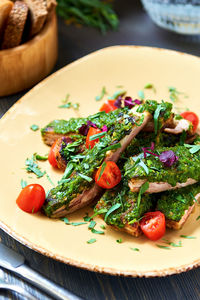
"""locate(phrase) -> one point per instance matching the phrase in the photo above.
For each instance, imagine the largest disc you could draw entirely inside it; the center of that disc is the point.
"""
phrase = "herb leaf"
(91, 241)
(193, 148)
(103, 166)
(163, 247)
(112, 209)
(103, 93)
(143, 189)
(97, 231)
(187, 236)
(89, 179)
(96, 136)
(135, 249)
(33, 167)
(34, 127)
(141, 94)
(156, 116)
(23, 183)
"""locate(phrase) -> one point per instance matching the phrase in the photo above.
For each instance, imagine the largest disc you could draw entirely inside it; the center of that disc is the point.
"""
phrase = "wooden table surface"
(135, 29)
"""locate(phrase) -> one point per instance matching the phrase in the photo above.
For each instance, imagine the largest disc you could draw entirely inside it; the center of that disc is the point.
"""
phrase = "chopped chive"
(66, 221)
(103, 166)
(193, 148)
(78, 223)
(117, 94)
(141, 94)
(89, 179)
(150, 86)
(48, 177)
(91, 241)
(197, 218)
(97, 231)
(112, 209)
(86, 218)
(163, 247)
(156, 116)
(187, 236)
(103, 227)
(96, 136)
(99, 212)
(119, 241)
(23, 183)
(92, 224)
(135, 249)
(143, 189)
(103, 93)
(112, 147)
(34, 127)
(76, 106)
(66, 105)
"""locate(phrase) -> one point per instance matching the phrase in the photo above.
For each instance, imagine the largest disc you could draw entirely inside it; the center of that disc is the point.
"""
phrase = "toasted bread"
(5, 8)
(15, 25)
(38, 14)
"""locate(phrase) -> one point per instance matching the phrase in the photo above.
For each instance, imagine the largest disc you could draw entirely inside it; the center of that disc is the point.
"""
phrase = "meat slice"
(69, 197)
(157, 187)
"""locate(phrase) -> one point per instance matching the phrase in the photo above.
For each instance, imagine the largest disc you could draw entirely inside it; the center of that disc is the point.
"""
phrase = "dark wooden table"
(135, 29)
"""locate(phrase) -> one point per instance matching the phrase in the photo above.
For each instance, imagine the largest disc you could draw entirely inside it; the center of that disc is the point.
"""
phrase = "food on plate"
(31, 198)
(80, 188)
(21, 20)
(138, 160)
(5, 8)
(15, 25)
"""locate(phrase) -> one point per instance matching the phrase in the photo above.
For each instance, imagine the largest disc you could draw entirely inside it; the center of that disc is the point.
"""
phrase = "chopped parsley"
(197, 218)
(97, 231)
(33, 167)
(92, 224)
(40, 157)
(117, 94)
(87, 178)
(96, 136)
(68, 104)
(102, 94)
(103, 227)
(34, 127)
(193, 148)
(163, 247)
(48, 177)
(112, 209)
(67, 222)
(150, 86)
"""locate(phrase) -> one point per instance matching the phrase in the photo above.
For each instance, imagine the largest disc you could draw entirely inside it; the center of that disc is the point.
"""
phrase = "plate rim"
(87, 266)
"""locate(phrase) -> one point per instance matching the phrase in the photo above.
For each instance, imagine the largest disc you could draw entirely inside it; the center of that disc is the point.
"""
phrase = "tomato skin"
(31, 198)
(92, 131)
(153, 225)
(192, 117)
(111, 175)
(51, 156)
(108, 106)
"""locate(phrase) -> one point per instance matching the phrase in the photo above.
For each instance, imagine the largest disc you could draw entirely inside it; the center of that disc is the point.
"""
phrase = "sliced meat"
(157, 187)
(180, 126)
(178, 225)
(79, 191)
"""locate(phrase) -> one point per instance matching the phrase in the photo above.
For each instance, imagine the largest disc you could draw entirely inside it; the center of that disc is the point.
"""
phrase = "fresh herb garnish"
(150, 86)
(174, 94)
(33, 167)
(77, 223)
(156, 116)
(141, 94)
(34, 127)
(96, 136)
(40, 157)
(89, 179)
(135, 249)
(197, 218)
(99, 212)
(193, 148)
(143, 189)
(97, 231)
(103, 166)
(187, 236)
(163, 247)
(66, 221)
(87, 218)
(92, 224)
(119, 241)
(23, 183)
(68, 171)
(112, 209)
(103, 227)
(103, 93)
(48, 177)
(179, 244)
(111, 147)
(91, 241)
(67, 104)
(117, 94)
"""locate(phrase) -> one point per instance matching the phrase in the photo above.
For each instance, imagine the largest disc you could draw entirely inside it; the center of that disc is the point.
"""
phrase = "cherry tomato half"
(52, 156)
(192, 117)
(92, 131)
(108, 106)
(110, 177)
(31, 198)
(153, 225)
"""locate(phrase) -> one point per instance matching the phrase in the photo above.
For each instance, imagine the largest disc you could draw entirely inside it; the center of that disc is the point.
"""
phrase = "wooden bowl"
(23, 66)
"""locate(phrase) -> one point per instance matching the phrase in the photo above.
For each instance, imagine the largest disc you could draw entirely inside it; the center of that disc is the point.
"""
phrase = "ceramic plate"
(129, 66)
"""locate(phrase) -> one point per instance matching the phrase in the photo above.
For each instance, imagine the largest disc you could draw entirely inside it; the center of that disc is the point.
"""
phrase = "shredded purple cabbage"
(138, 102)
(90, 123)
(168, 158)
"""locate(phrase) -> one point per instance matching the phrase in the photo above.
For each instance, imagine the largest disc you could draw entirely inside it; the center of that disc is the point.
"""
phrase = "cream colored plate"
(132, 67)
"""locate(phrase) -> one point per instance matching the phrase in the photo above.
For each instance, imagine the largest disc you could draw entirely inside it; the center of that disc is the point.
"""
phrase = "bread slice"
(15, 25)
(5, 8)
(38, 14)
